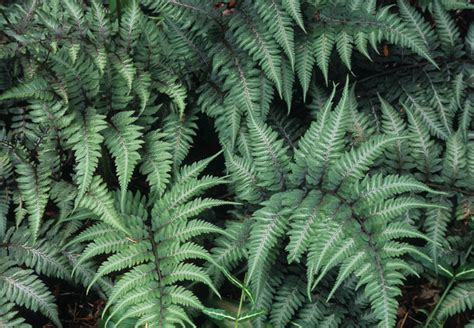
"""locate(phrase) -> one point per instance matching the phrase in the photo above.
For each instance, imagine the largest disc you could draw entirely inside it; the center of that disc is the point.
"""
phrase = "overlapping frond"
(151, 243)
(337, 187)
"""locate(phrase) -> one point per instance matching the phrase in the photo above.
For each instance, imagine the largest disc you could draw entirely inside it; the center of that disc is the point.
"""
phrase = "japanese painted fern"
(339, 174)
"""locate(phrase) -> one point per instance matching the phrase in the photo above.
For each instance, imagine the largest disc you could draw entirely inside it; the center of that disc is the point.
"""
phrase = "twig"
(402, 324)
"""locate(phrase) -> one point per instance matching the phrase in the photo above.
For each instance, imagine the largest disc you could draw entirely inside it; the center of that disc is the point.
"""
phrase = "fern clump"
(340, 211)
(338, 173)
(154, 246)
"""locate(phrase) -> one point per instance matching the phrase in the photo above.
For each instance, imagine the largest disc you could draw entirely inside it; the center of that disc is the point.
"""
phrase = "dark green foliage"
(343, 165)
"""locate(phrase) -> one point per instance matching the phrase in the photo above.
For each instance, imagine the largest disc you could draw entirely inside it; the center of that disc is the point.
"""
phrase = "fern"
(323, 214)
(338, 161)
(123, 140)
(87, 149)
(458, 300)
(24, 263)
(33, 183)
(279, 24)
(24, 288)
(153, 255)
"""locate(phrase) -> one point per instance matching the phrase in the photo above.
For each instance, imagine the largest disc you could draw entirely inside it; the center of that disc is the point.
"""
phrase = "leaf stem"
(242, 296)
(448, 288)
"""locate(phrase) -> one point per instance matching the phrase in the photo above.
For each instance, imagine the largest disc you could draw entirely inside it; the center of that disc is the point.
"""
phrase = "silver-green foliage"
(339, 188)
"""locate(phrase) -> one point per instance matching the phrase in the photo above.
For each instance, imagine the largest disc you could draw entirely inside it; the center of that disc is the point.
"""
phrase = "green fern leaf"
(40, 256)
(344, 44)
(101, 203)
(304, 64)
(86, 143)
(416, 22)
(330, 142)
(459, 299)
(266, 148)
(127, 71)
(36, 89)
(287, 300)
(448, 32)
(178, 134)
(123, 138)
(26, 289)
(293, 7)
(395, 207)
(34, 189)
(469, 41)
(130, 25)
(279, 24)
(288, 77)
(260, 45)
(302, 225)
(455, 161)
(270, 224)
(323, 46)
(353, 165)
(156, 163)
(8, 316)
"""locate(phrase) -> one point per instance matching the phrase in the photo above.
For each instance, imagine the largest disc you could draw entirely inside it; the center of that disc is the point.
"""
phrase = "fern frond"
(392, 208)
(100, 24)
(344, 44)
(127, 70)
(459, 299)
(266, 148)
(8, 316)
(192, 171)
(260, 45)
(302, 225)
(436, 224)
(305, 144)
(123, 139)
(396, 32)
(101, 203)
(447, 30)
(134, 255)
(392, 124)
(34, 183)
(189, 272)
(293, 7)
(178, 134)
(26, 289)
(323, 46)
(416, 22)
(156, 162)
(469, 41)
(36, 89)
(142, 87)
(75, 11)
(156, 254)
(180, 194)
(270, 225)
(4, 207)
(353, 165)
(287, 300)
(187, 210)
(330, 142)
(423, 148)
(304, 64)
(130, 26)
(454, 162)
(86, 143)
(279, 24)
(40, 256)
(379, 187)
(102, 245)
(288, 77)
